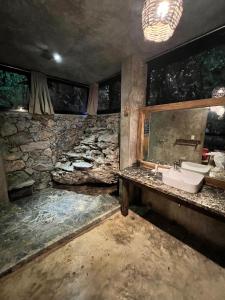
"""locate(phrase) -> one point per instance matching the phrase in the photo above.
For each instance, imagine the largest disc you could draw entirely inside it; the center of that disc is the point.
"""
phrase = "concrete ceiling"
(93, 36)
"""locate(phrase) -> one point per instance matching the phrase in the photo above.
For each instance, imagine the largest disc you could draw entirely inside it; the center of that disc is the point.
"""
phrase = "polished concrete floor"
(122, 258)
(32, 224)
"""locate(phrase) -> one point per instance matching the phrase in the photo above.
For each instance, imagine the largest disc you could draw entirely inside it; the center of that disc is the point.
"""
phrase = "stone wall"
(39, 149)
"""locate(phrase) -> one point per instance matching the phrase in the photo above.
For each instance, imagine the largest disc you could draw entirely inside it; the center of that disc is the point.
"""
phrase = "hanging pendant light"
(218, 92)
(160, 18)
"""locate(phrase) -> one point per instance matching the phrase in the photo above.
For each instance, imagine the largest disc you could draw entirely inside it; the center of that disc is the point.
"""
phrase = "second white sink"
(184, 180)
(198, 168)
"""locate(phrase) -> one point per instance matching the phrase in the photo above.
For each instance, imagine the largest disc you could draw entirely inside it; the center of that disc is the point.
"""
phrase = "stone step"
(21, 185)
(82, 165)
(19, 180)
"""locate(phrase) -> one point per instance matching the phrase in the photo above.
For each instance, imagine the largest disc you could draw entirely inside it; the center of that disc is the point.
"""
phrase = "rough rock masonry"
(66, 149)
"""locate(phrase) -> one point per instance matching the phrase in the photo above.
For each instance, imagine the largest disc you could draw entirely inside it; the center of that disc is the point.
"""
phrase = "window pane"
(110, 96)
(68, 99)
(103, 103)
(14, 90)
(189, 73)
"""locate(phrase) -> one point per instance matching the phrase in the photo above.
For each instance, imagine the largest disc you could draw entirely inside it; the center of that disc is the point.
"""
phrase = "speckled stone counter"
(209, 199)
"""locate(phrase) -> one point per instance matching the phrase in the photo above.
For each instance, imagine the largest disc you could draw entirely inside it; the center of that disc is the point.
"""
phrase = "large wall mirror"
(189, 133)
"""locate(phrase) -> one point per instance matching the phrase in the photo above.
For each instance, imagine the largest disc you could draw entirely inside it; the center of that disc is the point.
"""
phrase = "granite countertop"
(209, 198)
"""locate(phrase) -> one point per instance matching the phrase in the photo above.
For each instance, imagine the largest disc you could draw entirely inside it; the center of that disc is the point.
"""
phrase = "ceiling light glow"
(163, 9)
(57, 57)
(218, 92)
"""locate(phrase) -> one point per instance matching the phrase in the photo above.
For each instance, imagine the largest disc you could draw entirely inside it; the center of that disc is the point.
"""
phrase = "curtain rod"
(48, 76)
(185, 43)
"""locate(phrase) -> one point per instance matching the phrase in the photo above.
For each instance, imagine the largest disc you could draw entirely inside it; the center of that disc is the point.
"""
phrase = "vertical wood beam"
(3, 183)
(125, 198)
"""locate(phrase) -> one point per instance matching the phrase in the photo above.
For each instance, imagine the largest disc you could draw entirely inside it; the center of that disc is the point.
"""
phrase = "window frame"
(108, 82)
(19, 72)
(71, 83)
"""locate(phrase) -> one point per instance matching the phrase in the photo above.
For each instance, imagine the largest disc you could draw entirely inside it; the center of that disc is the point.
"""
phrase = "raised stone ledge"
(82, 165)
(19, 180)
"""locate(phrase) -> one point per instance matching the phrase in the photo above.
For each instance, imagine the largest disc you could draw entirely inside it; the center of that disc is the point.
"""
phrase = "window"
(68, 98)
(188, 73)
(110, 96)
(14, 89)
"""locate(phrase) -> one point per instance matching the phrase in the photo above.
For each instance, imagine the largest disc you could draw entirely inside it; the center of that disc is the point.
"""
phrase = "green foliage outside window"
(14, 90)
(109, 100)
(190, 78)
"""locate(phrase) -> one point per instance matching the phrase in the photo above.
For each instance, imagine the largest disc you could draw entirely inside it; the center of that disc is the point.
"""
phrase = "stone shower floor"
(30, 225)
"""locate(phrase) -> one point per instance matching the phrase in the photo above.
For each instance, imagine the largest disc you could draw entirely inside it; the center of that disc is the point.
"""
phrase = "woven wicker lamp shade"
(160, 18)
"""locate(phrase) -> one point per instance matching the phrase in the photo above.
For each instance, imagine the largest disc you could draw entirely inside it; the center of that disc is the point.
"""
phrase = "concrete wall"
(200, 225)
(167, 126)
(133, 95)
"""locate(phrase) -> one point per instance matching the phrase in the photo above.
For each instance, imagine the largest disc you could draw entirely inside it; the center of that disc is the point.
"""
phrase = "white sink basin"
(198, 168)
(184, 180)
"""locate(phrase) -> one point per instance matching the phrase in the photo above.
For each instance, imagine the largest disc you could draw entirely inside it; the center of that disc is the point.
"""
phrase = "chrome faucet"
(176, 165)
(156, 170)
(180, 161)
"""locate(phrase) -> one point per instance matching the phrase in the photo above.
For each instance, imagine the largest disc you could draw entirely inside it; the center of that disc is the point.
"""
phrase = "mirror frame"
(144, 112)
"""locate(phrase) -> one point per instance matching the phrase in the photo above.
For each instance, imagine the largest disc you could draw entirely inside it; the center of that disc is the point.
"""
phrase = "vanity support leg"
(125, 198)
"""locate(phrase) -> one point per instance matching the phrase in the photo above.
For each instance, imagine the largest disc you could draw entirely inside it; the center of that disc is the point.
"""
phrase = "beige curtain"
(40, 101)
(93, 100)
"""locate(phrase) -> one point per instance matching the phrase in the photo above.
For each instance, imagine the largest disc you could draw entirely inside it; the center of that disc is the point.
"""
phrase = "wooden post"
(3, 183)
(125, 198)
